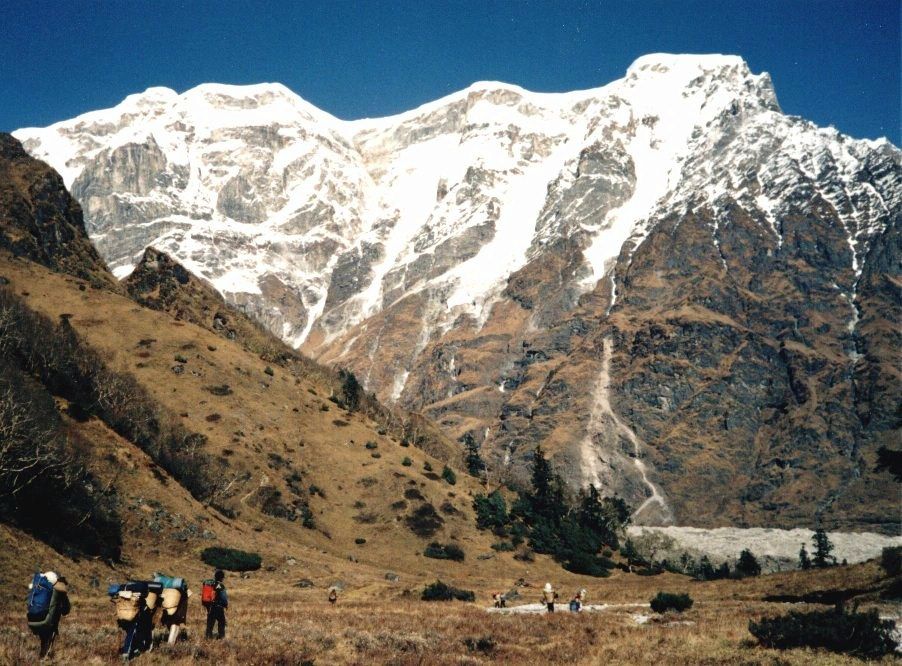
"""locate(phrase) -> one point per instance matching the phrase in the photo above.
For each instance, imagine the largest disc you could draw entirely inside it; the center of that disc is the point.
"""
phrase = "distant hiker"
(499, 600)
(575, 604)
(174, 600)
(548, 597)
(582, 596)
(333, 595)
(48, 601)
(216, 600)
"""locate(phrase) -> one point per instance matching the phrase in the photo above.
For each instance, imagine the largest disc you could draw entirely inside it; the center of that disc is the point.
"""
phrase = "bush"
(503, 547)
(449, 475)
(665, 601)
(231, 559)
(581, 562)
(371, 446)
(891, 560)
(439, 591)
(269, 371)
(862, 635)
(407, 462)
(424, 521)
(360, 541)
(448, 551)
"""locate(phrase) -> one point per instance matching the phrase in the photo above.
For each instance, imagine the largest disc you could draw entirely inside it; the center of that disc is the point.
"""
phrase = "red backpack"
(208, 592)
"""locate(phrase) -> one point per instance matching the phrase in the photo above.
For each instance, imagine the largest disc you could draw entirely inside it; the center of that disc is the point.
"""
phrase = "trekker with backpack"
(548, 597)
(215, 598)
(48, 601)
(174, 600)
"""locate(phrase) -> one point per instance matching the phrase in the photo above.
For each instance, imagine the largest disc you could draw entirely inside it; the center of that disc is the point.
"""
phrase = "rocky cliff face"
(686, 296)
(40, 221)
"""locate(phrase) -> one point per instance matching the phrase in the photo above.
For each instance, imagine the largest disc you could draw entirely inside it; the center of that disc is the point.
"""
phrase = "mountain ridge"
(490, 248)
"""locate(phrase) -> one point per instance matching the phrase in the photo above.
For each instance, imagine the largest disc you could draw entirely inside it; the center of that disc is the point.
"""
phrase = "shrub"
(180, 359)
(665, 601)
(221, 390)
(427, 467)
(424, 521)
(891, 560)
(503, 547)
(269, 371)
(407, 462)
(862, 635)
(581, 562)
(439, 591)
(448, 551)
(231, 559)
(371, 445)
(449, 475)
(485, 644)
(360, 541)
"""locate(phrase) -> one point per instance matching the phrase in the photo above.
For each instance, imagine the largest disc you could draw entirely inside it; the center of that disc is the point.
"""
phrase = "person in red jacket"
(216, 609)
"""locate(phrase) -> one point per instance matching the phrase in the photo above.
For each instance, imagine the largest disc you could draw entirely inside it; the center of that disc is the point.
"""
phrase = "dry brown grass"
(268, 629)
(380, 623)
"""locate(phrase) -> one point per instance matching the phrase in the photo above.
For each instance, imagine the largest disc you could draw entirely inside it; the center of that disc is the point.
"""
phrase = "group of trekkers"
(139, 606)
(549, 598)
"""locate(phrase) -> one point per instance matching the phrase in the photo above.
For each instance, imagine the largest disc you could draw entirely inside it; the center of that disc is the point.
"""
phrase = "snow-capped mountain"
(659, 280)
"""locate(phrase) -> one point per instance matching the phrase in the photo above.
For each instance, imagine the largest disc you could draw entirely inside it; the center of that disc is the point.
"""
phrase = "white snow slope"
(267, 197)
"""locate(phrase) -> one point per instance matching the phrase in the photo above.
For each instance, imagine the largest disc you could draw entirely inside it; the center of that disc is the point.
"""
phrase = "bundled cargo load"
(171, 598)
(128, 605)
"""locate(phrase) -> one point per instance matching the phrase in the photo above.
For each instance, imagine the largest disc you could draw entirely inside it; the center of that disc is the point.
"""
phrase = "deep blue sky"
(834, 62)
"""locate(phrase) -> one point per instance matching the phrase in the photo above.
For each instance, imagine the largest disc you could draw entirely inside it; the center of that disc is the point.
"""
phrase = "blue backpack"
(39, 597)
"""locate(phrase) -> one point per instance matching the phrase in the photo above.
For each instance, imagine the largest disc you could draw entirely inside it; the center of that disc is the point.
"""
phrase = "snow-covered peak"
(673, 62)
(329, 222)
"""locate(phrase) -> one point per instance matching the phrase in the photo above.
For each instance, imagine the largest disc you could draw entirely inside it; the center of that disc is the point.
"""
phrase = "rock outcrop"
(40, 221)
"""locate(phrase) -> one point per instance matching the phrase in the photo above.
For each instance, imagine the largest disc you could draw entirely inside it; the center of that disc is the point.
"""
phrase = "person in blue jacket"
(216, 610)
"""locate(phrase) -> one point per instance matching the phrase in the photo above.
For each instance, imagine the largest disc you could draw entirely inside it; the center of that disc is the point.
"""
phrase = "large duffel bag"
(171, 582)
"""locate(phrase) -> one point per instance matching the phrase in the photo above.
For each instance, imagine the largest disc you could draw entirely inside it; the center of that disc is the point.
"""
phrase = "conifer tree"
(822, 550)
(804, 560)
(748, 564)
